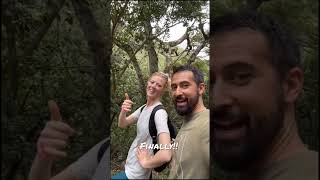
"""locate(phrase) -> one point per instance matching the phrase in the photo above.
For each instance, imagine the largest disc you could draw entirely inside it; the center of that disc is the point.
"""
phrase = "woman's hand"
(127, 103)
(143, 157)
(54, 137)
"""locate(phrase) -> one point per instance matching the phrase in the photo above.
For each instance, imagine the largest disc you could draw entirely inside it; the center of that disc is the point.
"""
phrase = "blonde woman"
(137, 166)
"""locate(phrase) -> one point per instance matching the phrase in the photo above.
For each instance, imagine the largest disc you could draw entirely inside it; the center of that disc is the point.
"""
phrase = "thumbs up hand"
(127, 96)
(54, 137)
(127, 103)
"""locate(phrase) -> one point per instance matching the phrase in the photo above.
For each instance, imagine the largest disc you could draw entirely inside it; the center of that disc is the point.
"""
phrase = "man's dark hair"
(285, 50)
(198, 75)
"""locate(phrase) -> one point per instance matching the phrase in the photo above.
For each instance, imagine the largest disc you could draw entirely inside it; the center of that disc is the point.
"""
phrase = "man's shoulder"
(202, 117)
(303, 165)
(307, 160)
(204, 120)
(201, 126)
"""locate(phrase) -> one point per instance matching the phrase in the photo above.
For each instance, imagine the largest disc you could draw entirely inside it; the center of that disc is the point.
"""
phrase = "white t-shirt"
(133, 168)
(87, 166)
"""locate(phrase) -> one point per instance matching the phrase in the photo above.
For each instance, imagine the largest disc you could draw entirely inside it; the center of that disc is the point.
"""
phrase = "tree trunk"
(10, 97)
(132, 55)
(153, 58)
(9, 103)
(13, 79)
(101, 51)
(140, 76)
(11, 82)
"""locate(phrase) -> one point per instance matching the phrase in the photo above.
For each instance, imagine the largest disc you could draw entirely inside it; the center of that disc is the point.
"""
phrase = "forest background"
(84, 57)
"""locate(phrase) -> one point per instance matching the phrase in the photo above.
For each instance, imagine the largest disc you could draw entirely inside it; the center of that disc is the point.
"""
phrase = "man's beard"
(189, 107)
(260, 131)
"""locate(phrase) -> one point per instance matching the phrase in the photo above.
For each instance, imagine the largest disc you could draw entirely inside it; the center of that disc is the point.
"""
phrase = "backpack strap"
(153, 133)
(104, 146)
(152, 124)
(142, 107)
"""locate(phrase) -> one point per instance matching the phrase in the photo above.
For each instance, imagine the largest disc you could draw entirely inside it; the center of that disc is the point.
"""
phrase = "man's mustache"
(180, 97)
(222, 113)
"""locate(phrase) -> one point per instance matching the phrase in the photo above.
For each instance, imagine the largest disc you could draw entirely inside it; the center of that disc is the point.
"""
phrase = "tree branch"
(167, 28)
(254, 4)
(178, 41)
(205, 36)
(117, 18)
(131, 53)
(101, 52)
(197, 51)
(53, 10)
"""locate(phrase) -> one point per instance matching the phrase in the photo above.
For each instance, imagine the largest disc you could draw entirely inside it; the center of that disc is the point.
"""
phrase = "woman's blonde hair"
(164, 76)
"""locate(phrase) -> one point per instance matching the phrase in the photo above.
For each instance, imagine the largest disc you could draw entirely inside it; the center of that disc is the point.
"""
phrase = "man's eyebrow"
(180, 82)
(239, 66)
(183, 82)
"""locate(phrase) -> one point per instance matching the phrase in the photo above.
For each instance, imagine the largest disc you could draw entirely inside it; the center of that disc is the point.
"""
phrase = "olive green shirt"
(191, 159)
(301, 166)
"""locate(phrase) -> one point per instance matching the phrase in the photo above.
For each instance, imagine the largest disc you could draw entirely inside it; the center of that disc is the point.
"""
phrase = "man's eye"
(184, 86)
(240, 78)
(173, 87)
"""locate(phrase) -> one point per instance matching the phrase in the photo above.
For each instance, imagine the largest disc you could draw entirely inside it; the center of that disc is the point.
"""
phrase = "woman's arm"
(161, 157)
(50, 147)
(123, 120)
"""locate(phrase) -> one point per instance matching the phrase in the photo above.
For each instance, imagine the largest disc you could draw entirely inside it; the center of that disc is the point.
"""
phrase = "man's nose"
(178, 91)
(221, 95)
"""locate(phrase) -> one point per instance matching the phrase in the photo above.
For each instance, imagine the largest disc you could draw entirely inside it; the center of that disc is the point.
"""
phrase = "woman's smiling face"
(156, 86)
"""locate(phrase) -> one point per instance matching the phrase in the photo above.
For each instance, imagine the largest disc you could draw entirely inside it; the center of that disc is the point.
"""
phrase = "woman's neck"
(151, 101)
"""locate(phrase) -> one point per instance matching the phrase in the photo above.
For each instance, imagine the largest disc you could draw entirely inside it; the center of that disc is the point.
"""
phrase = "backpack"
(153, 132)
(104, 146)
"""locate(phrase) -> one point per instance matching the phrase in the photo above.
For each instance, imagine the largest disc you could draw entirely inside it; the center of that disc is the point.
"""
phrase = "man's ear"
(293, 84)
(202, 88)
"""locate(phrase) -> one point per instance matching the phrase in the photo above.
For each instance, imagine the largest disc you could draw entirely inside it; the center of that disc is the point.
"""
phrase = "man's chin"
(233, 159)
(181, 112)
(228, 164)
